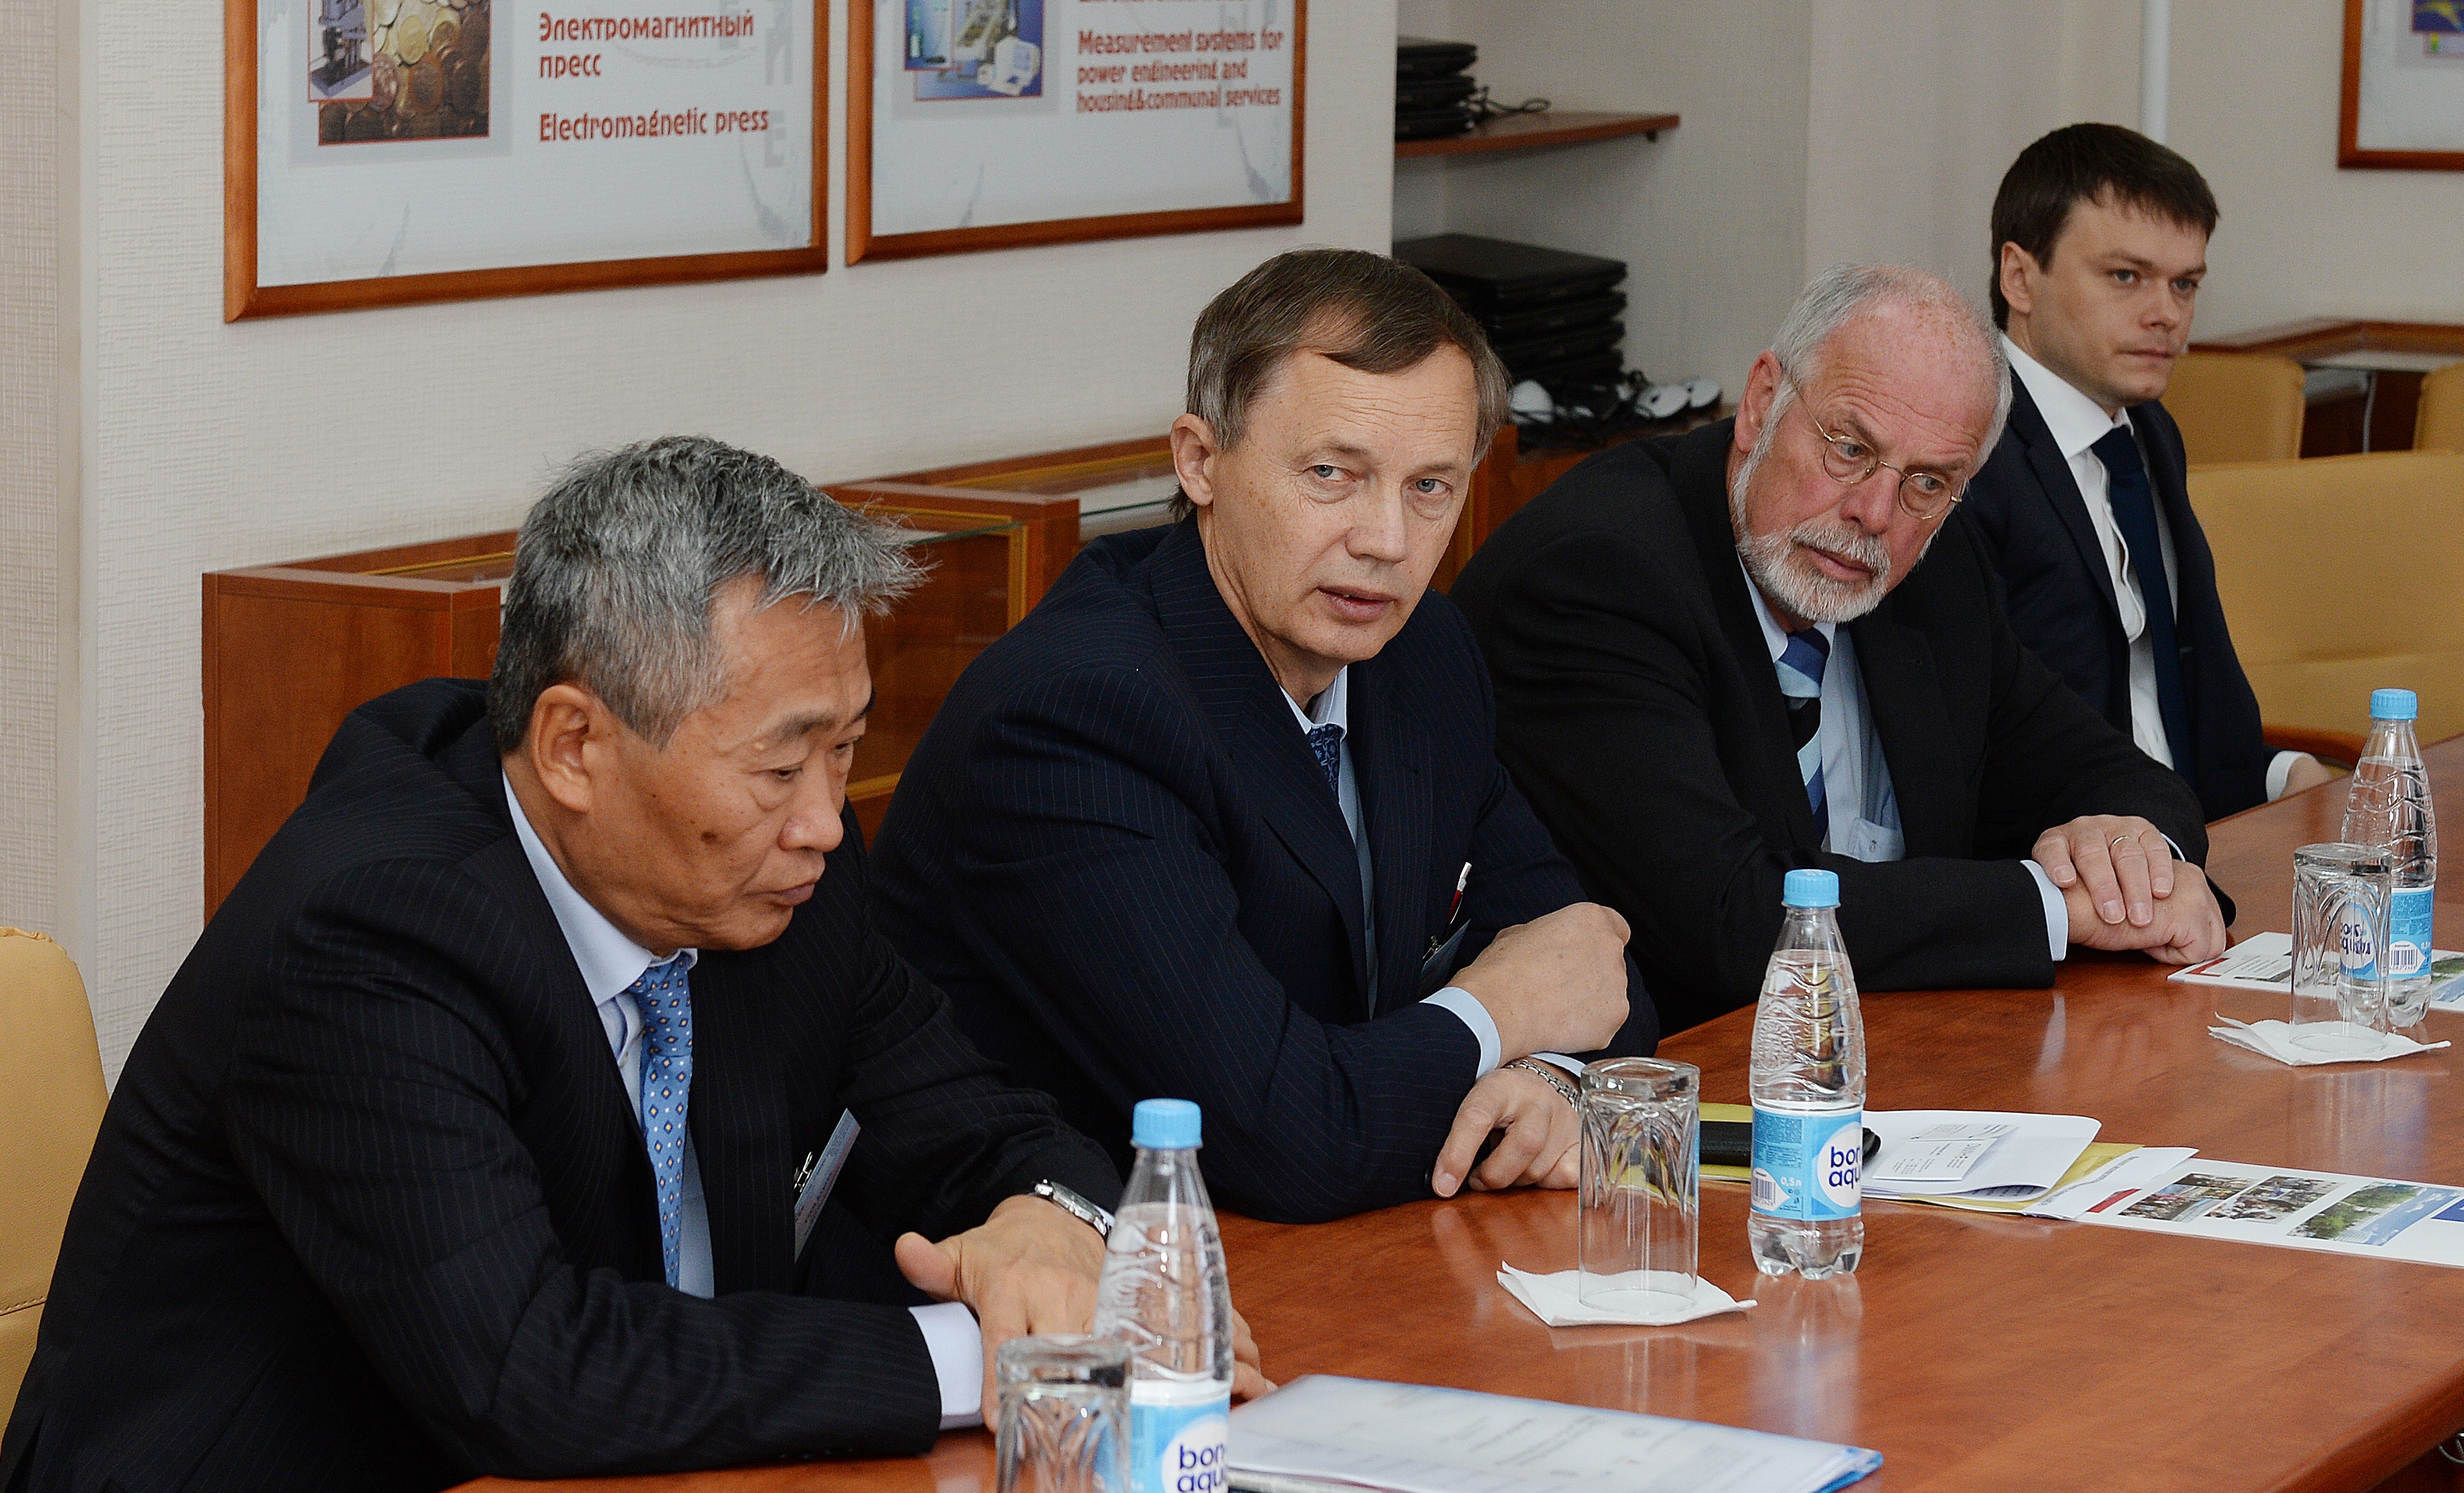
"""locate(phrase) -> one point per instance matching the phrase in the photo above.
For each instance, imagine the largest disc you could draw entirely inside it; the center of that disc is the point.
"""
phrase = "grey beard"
(1771, 561)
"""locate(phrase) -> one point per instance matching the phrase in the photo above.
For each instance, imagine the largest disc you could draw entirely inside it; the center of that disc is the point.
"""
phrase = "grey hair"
(1836, 296)
(617, 566)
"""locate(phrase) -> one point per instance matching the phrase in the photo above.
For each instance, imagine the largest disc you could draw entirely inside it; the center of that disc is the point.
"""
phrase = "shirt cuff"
(1468, 1008)
(2279, 768)
(2057, 917)
(958, 1349)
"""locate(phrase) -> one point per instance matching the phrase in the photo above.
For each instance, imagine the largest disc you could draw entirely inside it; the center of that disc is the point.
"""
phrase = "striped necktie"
(665, 1000)
(1800, 683)
(2134, 514)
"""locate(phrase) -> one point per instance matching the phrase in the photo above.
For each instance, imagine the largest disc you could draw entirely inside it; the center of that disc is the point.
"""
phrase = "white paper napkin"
(2275, 1040)
(1556, 1300)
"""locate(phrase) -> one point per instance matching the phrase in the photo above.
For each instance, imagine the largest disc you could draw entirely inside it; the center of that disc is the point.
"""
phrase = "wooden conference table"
(1972, 1351)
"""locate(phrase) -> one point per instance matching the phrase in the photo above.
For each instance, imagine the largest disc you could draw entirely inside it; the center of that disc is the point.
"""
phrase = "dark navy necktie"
(1326, 744)
(1800, 667)
(2134, 514)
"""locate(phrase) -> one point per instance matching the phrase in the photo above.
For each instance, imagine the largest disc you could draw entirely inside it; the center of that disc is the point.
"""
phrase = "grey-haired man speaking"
(489, 1126)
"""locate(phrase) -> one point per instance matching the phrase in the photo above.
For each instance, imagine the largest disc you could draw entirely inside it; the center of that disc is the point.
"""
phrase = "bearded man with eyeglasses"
(1776, 643)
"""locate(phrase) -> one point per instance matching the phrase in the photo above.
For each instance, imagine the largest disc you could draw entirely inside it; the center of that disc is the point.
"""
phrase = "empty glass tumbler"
(2340, 932)
(1065, 1416)
(1641, 1176)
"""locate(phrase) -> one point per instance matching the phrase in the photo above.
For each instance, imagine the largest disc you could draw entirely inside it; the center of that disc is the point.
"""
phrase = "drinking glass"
(2340, 929)
(1642, 1181)
(1064, 1414)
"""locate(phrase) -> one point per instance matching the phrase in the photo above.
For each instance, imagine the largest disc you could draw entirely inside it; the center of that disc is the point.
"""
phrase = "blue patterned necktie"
(666, 1003)
(1800, 682)
(1326, 744)
(2134, 514)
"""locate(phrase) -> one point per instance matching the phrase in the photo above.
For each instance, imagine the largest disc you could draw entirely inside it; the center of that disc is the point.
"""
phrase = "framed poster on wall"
(991, 123)
(2403, 85)
(384, 152)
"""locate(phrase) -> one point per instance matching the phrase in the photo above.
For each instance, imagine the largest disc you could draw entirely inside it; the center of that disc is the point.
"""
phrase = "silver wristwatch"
(1077, 1207)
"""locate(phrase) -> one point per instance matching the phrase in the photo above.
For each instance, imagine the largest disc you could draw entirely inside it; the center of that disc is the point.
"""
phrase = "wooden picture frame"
(863, 242)
(244, 298)
(2349, 151)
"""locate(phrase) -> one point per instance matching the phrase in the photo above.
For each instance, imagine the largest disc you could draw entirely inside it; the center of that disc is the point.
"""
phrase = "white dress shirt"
(1332, 707)
(1865, 811)
(2077, 423)
(610, 963)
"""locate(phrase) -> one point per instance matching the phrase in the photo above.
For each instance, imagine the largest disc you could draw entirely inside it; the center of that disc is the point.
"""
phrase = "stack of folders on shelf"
(1551, 314)
(1326, 1435)
(1433, 88)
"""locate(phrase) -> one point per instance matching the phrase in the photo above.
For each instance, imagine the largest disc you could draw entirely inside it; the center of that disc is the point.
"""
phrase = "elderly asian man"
(484, 1131)
(1222, 817)
(1728, 654)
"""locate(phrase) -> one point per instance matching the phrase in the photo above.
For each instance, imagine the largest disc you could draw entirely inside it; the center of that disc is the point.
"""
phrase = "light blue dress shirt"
(610, 963)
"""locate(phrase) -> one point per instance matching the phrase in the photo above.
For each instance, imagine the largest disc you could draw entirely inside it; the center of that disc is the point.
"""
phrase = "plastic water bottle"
(1808, 1084)
(1163, 1291)
(2387, 808)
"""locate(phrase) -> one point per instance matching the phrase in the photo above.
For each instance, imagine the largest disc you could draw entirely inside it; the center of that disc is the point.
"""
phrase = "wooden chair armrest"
(2337, 748)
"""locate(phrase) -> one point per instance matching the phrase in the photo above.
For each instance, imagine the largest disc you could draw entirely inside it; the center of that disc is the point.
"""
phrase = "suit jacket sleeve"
(375, 1101)
(1605, 704)
(1082, 842)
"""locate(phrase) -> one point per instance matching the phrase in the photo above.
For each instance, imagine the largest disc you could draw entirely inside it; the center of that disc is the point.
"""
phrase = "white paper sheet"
(1415, 1439)
(2265, 961)
(2030, 1154)
(2334, 1212)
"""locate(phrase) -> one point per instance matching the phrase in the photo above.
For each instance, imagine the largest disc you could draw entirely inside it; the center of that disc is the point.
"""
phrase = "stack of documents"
(1327, 1435)
(1970, 1157)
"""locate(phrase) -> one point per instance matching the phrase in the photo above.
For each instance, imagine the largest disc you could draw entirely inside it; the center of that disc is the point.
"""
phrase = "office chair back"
(2439, 424)
(52, 1074)
(2314, 560)
(2238, 406)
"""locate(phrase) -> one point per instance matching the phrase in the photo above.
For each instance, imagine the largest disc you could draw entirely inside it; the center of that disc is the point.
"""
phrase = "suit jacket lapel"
(2053, 473)
(1253, 717)
(1698, 469)
(1903, 701)
(617, 1213)
(739, 1123)
(1390, 767)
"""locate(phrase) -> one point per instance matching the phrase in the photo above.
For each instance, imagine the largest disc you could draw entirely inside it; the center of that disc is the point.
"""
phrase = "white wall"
(1710, 218)
(1917, 107)
(2254, 99)
(34, 542)
(216, 445)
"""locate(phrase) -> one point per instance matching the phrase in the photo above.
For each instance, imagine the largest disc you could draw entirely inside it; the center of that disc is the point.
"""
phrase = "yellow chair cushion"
(2238, 406)
(2339, 577)
(2439, 423)
(52, 1074)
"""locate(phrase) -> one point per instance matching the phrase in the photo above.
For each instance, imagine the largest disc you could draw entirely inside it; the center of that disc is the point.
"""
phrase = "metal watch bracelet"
(1548, 1076)
(1069, 1202)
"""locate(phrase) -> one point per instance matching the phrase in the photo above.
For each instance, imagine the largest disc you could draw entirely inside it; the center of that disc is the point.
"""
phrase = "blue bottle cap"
(2394, 705)
(1164, 1125)
(1809, 889)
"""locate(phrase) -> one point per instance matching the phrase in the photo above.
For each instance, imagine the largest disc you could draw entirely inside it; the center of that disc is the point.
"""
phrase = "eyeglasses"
(1848, 461)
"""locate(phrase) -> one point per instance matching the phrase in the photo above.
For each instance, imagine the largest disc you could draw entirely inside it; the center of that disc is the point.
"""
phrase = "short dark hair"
(2081, 163)
(1365, 311)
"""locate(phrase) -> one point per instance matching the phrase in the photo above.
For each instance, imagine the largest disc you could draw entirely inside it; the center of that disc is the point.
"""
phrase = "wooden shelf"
(1531, 131)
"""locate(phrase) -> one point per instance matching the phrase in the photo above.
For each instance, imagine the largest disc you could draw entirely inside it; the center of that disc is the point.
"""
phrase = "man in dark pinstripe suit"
(487, 1128)
(1223, 817)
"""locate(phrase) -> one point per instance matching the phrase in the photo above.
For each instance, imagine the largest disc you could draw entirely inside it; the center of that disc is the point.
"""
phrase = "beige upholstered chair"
(2238, 406)
(2304, 552)
(2439, 427)
(52, 1075)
